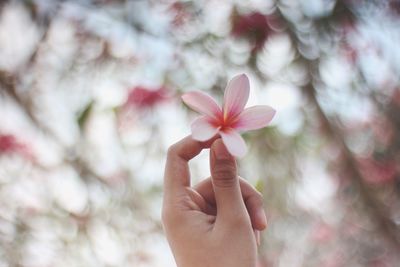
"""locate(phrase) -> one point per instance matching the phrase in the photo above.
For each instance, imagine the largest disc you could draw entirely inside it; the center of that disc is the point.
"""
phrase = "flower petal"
(234, 142)
(255, 118)
(202, 103)
(236, 95)
(202, 129)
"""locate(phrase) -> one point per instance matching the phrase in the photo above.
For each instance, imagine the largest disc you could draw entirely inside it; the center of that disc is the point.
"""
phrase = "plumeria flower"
(230, 120)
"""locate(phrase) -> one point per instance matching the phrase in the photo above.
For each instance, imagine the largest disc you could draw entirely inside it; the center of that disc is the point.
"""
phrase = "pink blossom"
(9, 144)
(229, 120)
(145, 97)
(255, 27)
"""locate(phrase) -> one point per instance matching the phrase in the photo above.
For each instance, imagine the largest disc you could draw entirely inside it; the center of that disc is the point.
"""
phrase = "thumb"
(225, 182)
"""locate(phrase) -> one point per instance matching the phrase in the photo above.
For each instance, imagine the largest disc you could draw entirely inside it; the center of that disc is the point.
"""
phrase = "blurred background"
(90, 101)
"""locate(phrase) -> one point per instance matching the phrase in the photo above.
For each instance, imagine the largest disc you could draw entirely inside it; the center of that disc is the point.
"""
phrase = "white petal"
(202, 129)
(202, 103)
(255, 118)
(236, 95)
(234, 142)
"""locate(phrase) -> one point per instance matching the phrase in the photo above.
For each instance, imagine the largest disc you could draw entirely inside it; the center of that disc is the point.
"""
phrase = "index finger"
(177, 174)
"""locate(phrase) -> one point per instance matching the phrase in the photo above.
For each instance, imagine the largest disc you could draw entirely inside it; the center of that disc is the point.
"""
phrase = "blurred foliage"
(89, 103)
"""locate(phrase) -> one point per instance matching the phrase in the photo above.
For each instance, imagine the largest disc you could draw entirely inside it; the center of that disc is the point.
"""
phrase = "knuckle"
(224, 175)
(172, 150)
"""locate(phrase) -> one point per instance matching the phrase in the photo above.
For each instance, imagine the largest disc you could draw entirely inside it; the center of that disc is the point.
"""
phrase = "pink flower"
(255, 27)
(145, 97)
(232, 119)
(9, 144)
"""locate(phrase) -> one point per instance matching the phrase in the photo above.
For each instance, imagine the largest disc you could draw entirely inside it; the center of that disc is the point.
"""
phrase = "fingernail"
(220, 151)
(257, 236)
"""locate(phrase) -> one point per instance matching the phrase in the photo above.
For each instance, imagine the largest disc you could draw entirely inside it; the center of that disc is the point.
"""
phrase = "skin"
(215, 223)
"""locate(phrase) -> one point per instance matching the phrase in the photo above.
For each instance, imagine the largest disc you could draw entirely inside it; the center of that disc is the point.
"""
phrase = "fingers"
(252, 199)
(230, 205)
(177, 175)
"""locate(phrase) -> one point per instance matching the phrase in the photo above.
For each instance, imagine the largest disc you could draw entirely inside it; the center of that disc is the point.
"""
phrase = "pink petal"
(236, 95)
(234, 142)
(202, 103)
(255, 118)
(202, 129)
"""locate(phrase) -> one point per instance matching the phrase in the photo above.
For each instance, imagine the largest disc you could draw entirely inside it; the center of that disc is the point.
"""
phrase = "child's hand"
(215, 223)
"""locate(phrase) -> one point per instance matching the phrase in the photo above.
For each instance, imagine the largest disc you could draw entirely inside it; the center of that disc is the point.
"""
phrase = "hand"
(217, 222)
